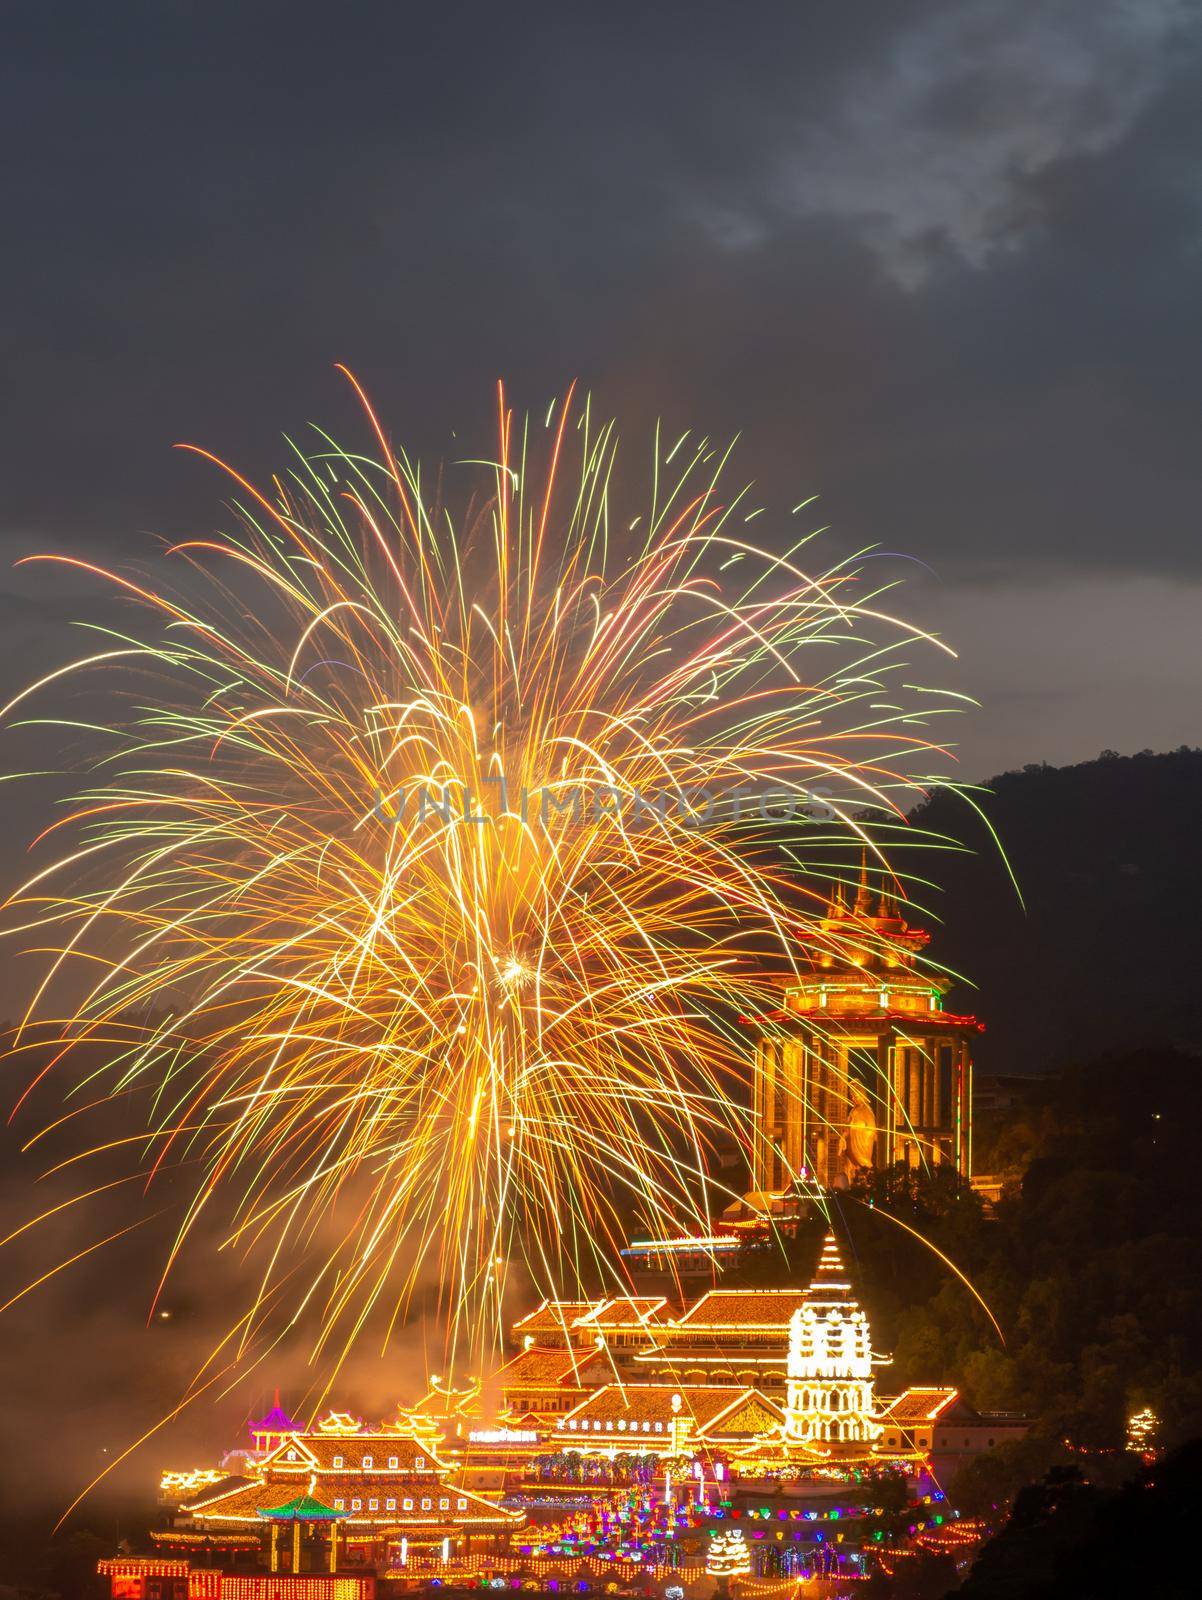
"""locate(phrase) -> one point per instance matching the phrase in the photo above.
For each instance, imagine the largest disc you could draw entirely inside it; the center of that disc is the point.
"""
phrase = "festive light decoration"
(180, 1484)
(1142, 1428)
(830, 1398)
(272, 1587)
(727, 1555)
(412, 895)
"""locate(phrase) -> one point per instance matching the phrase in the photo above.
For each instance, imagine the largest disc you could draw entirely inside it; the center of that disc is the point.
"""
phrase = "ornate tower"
(862, 1067)
(830, 1401)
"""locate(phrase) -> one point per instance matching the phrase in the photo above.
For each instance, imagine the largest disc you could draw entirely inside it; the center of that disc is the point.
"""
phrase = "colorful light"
(394, 899)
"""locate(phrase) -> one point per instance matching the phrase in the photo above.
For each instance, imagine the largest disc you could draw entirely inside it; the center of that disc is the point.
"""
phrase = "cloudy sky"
(937, 262)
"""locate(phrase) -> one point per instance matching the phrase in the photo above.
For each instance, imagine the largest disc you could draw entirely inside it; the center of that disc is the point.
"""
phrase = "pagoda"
(829, 1406)
(861, 1067)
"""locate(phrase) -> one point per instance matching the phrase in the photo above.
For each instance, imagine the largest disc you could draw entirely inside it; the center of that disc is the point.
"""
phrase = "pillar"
(879, 1096)
(296, 1541)
(897, 1098)
(806, 1089)
(333, 1547)
(275, 1547)
(761, 1177)
(914, 1086)
(939, 1110)
(788, 1111)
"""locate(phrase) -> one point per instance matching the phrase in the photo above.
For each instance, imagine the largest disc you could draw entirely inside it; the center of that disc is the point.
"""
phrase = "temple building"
(666, 1420)
(619, 1413)
(727, 1336)
(343, 1495)
(540, 1385)
(649, 1411)
(830, 1398)
(937, 1424)
(861, 1067)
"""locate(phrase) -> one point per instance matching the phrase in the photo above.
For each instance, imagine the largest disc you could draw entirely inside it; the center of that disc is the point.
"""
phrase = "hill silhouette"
(1105, 954)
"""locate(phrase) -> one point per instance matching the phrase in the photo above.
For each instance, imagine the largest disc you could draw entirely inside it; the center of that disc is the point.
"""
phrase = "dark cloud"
(924, 257)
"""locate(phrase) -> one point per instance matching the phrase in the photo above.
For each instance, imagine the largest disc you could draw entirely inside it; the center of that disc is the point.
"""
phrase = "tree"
(1069, 1539)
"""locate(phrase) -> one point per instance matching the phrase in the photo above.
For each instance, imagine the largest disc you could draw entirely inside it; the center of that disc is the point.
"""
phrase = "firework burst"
(421, 870)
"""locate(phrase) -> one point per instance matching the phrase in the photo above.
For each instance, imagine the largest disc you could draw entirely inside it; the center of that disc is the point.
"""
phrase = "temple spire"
(863, 896)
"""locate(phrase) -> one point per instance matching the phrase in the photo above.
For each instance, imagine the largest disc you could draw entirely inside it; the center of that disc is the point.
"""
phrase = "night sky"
(936, 262)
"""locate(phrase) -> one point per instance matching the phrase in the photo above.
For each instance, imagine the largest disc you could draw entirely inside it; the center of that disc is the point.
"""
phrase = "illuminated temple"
(624, 1434)
(626, 1429)
(861, 1067)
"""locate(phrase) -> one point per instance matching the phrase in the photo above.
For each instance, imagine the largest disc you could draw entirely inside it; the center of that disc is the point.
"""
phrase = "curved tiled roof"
(276, 1421)
(553, 1316)
(549, 1368)
(743, 1308)
(252, 1503)
(918, 1405)
(623, 1311)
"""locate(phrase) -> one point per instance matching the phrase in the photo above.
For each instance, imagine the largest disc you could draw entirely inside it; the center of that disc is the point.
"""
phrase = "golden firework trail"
(415, 884)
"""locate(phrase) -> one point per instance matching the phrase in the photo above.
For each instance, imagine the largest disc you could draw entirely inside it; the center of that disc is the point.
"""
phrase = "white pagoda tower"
(830, 1404)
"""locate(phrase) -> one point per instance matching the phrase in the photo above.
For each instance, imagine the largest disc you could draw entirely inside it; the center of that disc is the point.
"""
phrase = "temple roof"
(623, 1311)
(553, 1316)
(303, 1509)
(447, 1505)
(276, 1421)
(441, 1400)
(919, 1405)
(322, 1452)
(742, 1308)
(550, 1369)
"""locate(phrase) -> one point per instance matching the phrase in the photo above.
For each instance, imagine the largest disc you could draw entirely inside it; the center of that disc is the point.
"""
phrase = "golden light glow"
(384, 894)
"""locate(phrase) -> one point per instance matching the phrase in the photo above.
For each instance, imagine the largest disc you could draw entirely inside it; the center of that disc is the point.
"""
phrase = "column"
(333, 1547)
(790, 1070)
(805, 1090)
(882, 1090)
(938, 1110)
(275, 1547)
(296, 1538)
(914, 1073)
(761, 1163)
